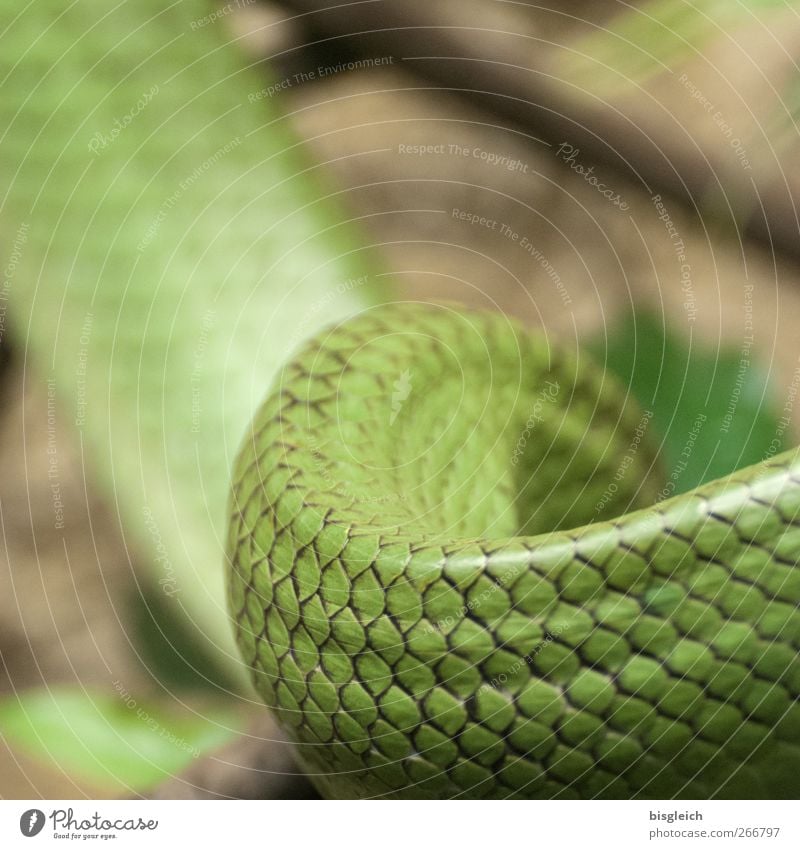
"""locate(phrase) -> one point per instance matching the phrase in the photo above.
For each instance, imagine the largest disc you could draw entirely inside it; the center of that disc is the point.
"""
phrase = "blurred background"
(625, 176)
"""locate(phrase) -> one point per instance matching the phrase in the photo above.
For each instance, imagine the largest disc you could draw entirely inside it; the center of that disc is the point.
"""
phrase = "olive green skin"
(431, 607)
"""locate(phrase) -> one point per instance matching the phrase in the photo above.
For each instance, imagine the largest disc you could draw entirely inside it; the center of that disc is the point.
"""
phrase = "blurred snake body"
(452, 577)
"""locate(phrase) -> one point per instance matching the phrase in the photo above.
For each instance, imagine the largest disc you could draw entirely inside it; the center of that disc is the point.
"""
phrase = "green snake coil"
(451, 576)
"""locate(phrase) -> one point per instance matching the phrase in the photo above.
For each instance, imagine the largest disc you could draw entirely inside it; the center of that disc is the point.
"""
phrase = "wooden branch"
(257, 765)
(509, 59)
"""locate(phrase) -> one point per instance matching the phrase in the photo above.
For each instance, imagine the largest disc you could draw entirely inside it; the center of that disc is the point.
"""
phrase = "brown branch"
(257, 765)
(505, 58)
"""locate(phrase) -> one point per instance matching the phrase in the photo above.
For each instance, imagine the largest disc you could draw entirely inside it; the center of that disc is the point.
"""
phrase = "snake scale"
(429, 609)
(419, 575)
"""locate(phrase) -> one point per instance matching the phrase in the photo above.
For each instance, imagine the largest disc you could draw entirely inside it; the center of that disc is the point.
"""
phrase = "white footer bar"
(400, 825)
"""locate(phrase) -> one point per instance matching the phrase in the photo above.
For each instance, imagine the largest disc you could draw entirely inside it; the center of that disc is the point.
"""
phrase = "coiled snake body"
(430, 604)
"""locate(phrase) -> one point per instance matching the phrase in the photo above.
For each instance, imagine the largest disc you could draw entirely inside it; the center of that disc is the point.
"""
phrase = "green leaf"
(713, 409)
(166, 648)
(112, 739)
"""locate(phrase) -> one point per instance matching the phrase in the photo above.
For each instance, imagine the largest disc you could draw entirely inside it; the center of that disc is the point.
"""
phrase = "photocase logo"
(31, 822)
(66, 825)
(402, 389)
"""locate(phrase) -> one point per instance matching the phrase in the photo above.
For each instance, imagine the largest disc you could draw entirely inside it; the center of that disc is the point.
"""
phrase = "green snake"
(447, 573)
(429, 608)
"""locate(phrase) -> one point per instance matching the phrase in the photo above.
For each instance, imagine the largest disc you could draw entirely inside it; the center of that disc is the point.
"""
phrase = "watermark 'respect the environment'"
(526, 244)
(745, 361)
(82, 368)
(221, 12)
(155, 225)
(196, 377)
(318, 73)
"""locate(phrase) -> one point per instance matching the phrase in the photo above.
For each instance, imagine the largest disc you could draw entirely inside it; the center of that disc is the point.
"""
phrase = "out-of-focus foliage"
(646, 39)
(112, 740)
(681, 381)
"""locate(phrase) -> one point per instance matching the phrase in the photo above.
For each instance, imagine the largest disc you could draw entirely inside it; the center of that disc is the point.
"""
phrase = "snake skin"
(431, 605)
